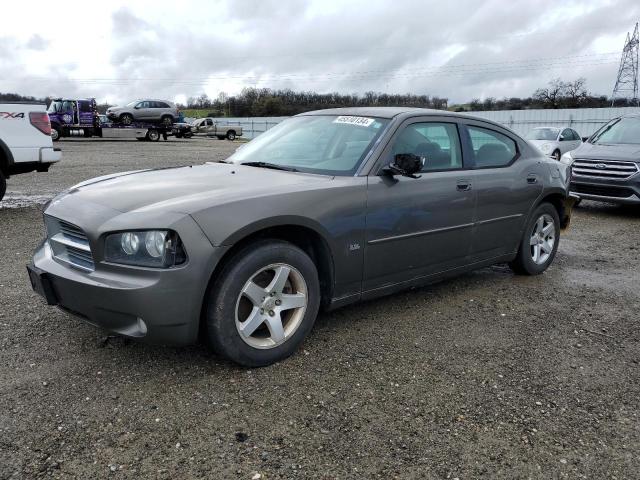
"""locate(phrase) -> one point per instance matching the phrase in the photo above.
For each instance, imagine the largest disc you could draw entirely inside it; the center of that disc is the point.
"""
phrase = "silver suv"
(144, 111)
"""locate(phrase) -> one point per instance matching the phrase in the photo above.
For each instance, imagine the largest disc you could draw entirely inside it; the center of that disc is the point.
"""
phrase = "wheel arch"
(305, 237)
(559, 201)
(6, 159)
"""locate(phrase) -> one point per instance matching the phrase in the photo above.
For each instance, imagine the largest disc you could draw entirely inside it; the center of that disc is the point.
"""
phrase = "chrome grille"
(613, 169)
(69, 244)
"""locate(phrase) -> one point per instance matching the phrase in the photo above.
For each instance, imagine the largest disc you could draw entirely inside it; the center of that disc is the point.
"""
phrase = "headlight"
(546, 147)
(567, 158)
(150, 248)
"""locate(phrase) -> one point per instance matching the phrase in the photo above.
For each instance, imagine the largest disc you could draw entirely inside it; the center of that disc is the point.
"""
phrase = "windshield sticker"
(350, 120)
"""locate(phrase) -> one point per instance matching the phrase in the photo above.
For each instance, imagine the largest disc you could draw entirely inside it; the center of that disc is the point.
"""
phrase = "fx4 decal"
(11, 115)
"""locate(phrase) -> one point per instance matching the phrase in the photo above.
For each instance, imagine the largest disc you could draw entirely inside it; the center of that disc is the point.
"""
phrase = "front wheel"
(55, 133)
(539, 243)
(263, 304)
(126, 119)
(153, 135)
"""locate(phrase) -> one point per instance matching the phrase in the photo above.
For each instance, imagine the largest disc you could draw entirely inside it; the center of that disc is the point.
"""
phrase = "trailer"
(80, 118)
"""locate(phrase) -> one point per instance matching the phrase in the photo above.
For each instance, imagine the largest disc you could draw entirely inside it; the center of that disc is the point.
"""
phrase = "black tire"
(56, 133)
(524, 264)
(167, 120)
(153, 135)
(231, 135)
(87, 132)
(220, 137)
(556, 155)
(222, 297)
(3, 185)
(126, 119)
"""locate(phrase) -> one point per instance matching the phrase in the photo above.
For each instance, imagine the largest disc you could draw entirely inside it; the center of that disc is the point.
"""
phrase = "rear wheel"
(231, 135)
(539, 243)
(3, 185)
(167, 120)
(263, 304)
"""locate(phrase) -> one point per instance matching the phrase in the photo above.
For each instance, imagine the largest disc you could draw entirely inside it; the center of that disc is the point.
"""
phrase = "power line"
(444, 70)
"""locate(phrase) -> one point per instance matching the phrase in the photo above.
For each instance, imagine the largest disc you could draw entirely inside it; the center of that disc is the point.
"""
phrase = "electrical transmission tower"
(627, 81)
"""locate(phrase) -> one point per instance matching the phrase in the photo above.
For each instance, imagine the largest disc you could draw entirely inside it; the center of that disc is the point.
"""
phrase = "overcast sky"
(459, 49)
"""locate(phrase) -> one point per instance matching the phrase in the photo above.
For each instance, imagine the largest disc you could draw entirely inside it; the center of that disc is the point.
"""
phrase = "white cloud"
(460, 50)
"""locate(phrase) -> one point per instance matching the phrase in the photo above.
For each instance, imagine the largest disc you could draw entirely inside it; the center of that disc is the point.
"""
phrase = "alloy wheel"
(543, 238)
(271, 306)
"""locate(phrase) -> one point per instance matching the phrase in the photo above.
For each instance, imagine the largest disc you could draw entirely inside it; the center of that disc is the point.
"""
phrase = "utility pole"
(627, 82)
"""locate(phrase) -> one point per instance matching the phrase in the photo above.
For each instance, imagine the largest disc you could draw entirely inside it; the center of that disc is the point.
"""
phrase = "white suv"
(25, 141)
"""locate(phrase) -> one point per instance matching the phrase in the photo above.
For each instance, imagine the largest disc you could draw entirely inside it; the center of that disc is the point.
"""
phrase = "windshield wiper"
(270, 165)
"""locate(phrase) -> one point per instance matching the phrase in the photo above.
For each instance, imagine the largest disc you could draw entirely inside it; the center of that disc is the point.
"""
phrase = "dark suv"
(605, 167)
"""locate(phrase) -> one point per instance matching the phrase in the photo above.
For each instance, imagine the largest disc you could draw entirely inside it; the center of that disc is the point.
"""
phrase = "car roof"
(401, 113)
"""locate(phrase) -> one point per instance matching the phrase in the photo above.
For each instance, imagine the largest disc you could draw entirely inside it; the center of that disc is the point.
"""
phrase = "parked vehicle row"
(25, 141)
(325, 209)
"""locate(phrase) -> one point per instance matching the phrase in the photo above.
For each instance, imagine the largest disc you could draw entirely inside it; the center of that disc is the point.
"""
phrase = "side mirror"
(584, 139)
(561, 138)
(406, 164)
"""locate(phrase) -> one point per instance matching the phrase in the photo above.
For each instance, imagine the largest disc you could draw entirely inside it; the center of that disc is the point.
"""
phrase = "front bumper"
(625, 191)
(161, 306)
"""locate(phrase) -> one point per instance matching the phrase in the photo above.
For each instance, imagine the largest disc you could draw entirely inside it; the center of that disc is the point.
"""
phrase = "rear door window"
(491, 149)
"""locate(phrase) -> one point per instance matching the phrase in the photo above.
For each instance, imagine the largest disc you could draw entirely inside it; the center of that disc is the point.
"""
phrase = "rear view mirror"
(406, 164)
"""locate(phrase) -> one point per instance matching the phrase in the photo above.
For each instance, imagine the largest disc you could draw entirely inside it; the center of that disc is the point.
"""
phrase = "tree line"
(266, 102)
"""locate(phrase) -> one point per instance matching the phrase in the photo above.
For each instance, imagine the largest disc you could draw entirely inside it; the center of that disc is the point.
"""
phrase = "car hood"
(592, 151)
(187, 189)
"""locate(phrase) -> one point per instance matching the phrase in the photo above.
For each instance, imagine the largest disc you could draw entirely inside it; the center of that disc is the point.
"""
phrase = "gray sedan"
(326, 209)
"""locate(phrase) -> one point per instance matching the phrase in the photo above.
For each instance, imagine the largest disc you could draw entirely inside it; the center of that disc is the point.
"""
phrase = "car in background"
(553, 141)
(606, 166)
(145, 110)
(25, 141)
(210, 128)
(325, 209)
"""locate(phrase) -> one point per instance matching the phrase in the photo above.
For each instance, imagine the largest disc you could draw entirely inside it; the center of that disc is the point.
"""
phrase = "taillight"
(40, 120)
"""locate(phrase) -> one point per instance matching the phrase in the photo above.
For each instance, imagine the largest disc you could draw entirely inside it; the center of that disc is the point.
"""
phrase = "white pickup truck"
(25, 141)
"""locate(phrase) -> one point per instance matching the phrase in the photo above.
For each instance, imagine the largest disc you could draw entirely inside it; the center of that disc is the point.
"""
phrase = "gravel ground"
(485, 376)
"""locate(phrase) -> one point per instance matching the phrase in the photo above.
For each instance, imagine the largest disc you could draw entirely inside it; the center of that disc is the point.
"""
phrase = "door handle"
(532, 179)
(463, 186)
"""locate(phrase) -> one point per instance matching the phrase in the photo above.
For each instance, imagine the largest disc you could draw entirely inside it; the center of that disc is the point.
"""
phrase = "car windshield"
(324, 144)
(55, 107)
(543, 134)
(620, 130)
